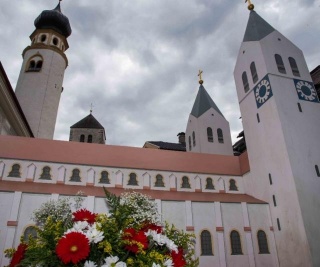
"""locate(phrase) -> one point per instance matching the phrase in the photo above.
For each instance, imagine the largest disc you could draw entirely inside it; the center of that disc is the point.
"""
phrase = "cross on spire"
(200, 76)
(91, 105)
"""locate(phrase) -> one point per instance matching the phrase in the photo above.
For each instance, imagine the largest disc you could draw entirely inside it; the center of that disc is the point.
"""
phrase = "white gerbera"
(89, 264)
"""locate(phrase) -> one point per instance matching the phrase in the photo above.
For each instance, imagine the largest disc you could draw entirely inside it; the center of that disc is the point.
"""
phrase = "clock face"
(262, 91)
(306, 91)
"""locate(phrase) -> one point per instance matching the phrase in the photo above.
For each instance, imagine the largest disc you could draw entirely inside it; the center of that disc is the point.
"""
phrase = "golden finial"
(200, 76)
(250, 5)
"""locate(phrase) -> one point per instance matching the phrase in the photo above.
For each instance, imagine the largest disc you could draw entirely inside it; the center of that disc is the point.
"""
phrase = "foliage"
(130, 235)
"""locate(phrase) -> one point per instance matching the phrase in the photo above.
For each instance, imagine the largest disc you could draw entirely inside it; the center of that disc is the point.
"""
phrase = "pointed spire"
(203, 103)
(58, 8)
(257, 28)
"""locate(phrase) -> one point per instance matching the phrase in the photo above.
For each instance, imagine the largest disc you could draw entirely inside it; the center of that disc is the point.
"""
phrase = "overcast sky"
(137, 60)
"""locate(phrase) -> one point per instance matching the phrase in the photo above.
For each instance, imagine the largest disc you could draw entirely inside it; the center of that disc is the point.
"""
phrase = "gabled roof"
(257, 28)
(88, 122)
(168, 146)
(203, 103)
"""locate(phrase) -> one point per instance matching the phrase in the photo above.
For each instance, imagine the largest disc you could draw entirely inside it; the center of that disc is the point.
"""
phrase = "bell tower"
(39, 86)
(280, 113)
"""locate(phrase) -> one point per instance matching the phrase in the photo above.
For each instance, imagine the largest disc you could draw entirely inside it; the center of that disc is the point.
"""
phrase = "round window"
(55, 41)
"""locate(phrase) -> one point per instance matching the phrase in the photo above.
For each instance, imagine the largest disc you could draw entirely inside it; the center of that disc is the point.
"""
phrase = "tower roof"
(55, 20)
(203, 103)
(257, 28)
(88, 122)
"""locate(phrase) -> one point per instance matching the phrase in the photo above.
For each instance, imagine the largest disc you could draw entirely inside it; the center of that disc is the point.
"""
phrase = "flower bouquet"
(131, 234)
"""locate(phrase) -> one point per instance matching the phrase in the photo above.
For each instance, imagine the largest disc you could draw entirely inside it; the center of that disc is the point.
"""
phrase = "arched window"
(280, 64)
(235, 241)
(210, 135)
(90, 138)
(232, 185)
(294, 67)
(262, 242)
(159, 181)
(104, 178)
(34, 64)
(132, 179)
(209, 184)
(185, 182)
(220, 135)
(45, 175)
(30, 231)
(82, 138)
(190, 143)
(317, 170)
(206, 244)
(254, 73)
(15, 171)
(194, 138)
(75, 177)
(245, 82)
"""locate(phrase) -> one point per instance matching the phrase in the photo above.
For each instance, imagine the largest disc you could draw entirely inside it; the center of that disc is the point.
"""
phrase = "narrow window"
(258, 118)
(159, 181)
(38, 65)
(45, 175)
(206, 244)
(75, 177)
(104, 178)
(194, 139)
(209, 135)
(30, 231)
(232, 185)
(43, 38)
(274, 200)
(262, 242)
(220, 135)
(280, 64)
(254, 72)
(317, 170)
(89, 138)
(185, 182)
(190, 143)
(32, 65)
(209, 184)
(55, 41)
(132, 179)
(15, 171)
(278, 223)
(270, 179)
(299, 107)
(245, 82)
(236, 248)
(294, 67)
(82, 138)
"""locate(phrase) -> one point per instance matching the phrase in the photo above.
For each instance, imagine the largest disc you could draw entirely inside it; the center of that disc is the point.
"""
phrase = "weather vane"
(200, 76)
(250, 5)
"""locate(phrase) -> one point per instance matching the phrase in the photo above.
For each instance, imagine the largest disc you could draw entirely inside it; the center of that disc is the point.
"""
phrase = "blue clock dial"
(306, 91)
(262, 91)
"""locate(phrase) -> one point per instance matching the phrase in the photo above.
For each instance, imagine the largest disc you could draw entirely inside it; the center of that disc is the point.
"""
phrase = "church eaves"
(257, 28)
(203, 103)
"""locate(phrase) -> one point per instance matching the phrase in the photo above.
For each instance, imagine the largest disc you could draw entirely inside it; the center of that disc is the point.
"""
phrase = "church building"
(257, 207)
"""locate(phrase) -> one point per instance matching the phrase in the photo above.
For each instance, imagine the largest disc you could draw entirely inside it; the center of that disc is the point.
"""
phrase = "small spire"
(91, 105)
(200, 77)
(250, 5)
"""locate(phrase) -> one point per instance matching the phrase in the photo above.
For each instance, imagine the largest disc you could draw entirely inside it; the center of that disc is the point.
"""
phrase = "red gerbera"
(178, 259)
(73, 247)
(18, 255)
(136, 239)
(84, 215)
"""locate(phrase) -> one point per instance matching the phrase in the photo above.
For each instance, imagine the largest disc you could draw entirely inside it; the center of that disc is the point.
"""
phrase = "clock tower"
(280, 113)
(39, 86)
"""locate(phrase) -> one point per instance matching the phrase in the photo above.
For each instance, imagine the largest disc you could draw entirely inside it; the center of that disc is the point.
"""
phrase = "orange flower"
(73, 247)
(84, 215)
